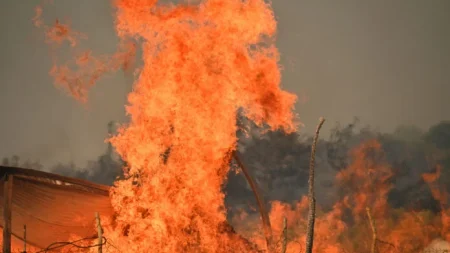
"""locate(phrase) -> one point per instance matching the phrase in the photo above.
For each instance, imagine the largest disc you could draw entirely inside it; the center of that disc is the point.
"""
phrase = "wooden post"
(284, 234)
(7, 202)
(374, 231)
(24, 238)
(100, 233)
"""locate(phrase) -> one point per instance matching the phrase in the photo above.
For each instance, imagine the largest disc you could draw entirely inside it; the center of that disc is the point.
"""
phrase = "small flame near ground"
(201, 63)
(345, 228)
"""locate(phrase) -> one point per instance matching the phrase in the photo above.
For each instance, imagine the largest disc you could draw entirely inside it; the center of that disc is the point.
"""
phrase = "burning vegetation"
(202, 63)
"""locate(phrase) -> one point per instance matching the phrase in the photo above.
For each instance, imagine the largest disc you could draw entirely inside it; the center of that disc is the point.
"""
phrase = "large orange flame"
(201, 63)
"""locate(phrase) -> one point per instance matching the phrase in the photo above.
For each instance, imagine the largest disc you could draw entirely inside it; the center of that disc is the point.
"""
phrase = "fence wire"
(76, 246)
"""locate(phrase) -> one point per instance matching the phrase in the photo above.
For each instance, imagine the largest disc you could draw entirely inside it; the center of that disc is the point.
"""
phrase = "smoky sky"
(386, 62)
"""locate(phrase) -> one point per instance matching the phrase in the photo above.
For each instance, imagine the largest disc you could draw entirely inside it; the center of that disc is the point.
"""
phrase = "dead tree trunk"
(311, 197)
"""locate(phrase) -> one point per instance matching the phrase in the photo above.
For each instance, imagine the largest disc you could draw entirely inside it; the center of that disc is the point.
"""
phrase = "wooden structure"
(52, 207)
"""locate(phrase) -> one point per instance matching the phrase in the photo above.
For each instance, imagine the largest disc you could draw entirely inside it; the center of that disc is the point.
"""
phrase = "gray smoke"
(105, 169)
(279, 163)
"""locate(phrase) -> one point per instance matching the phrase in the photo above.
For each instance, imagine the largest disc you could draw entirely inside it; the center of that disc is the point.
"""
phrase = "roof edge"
(6, 170)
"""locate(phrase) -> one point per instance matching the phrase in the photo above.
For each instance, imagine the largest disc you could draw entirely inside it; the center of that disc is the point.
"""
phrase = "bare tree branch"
(260, 200)
(312, 200)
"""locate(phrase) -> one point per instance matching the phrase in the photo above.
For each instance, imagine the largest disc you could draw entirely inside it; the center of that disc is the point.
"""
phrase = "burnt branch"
(259, 199)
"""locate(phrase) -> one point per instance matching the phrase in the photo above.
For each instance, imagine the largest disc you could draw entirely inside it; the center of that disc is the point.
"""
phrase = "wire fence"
(59, 245)
(75, 246)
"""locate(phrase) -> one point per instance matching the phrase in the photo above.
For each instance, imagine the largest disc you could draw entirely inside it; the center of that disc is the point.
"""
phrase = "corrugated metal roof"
(53, 207)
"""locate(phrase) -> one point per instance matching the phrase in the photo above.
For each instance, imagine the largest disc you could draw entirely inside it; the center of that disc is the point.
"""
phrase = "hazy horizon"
(387, 63)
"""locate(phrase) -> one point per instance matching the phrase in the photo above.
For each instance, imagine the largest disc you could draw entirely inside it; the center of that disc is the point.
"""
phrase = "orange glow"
(201, 63)
(345, 228)
(198, 70)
